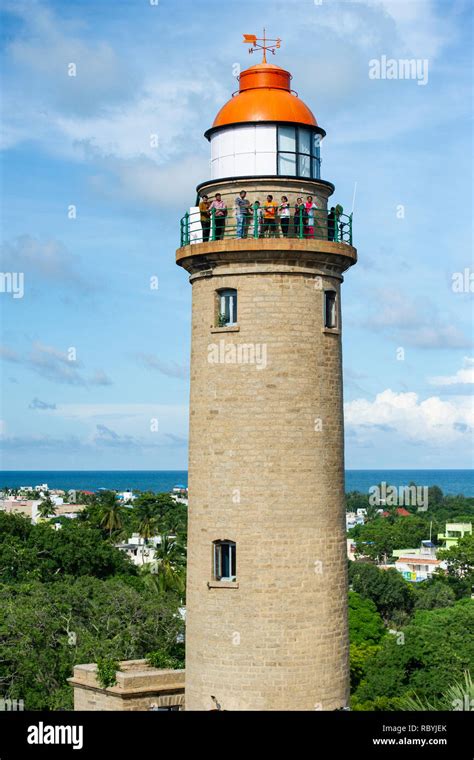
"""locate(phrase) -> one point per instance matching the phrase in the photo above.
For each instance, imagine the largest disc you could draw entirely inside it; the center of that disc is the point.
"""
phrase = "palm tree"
(168, 573)
(372, 512)
(457, 697)
(147, 525)
(111, 511)
(46, 508)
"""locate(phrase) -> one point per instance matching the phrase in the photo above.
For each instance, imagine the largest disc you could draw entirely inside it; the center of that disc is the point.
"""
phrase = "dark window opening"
(227, 307)
(225, 568)
(330, 309)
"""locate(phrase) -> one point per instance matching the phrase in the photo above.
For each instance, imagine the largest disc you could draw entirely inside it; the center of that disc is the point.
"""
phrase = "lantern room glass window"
(287, 139)
(298, 152)
(287, 164)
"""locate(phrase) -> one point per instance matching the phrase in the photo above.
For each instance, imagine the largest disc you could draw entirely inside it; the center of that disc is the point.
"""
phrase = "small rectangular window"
(227, 307)
(225, 567)
(330, 309)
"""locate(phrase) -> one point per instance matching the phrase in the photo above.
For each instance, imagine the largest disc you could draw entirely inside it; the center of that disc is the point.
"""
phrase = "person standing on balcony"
(258, 219)
(300, 217)
(310, 207)
(205, 214)
(332, 223)
(270, 216)
(219, 209)
(338, 211)
(284, 215)
(242, 206)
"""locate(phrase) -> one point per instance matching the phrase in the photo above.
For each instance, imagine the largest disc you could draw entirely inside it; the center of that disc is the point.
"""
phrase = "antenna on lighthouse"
(255, 43)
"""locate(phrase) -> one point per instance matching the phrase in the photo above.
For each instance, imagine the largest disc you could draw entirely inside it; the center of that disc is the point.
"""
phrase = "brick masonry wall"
(266, 470)
(138, 687)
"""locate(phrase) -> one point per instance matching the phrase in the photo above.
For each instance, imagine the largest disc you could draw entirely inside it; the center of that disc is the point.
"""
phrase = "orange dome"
(264, 95)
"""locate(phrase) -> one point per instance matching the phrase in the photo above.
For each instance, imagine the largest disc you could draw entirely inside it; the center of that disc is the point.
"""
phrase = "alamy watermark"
(463, 282)
(11, 705)
(12, 282)
(399, 68)
(237, 353)
(403, 496)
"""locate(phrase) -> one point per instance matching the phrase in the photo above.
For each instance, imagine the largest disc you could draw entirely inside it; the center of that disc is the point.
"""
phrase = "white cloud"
(119, 411)
(143, 181)
(54, 365)
(47, 361)
(431, 421)
(413, 25)
(163, 119)
(110, 108)
(43, 260)
(43, 52)
(143, 421)
(464, 376)
(413, 322)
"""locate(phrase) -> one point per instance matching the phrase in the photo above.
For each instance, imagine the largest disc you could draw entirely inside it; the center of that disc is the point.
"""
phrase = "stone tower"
(267, 583)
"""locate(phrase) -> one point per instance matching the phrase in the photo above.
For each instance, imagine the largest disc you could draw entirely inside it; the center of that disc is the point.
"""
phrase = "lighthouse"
(266, 625)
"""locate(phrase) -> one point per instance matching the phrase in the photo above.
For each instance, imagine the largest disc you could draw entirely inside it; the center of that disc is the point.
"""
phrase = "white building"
(353, 519)
(140, 553)
(418, 565)
(126, 496)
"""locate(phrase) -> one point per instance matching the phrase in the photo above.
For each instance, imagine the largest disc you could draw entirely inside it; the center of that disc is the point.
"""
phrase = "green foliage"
(47, 554)
(366, 629)
(457, 698)
(379, 704)
(390, 593)
(378, 539)
(47, 628)
(164, 661)
(436, 649)
(46, 508)
(68, 596)
(150, 514)
(433, 594)
(356, 500)
(460, 558)
(168, 570)
(14, 525)
(166, 515)
(435, 496)
(365, 624)
(107, 671)
(359, 656)
(111, 512)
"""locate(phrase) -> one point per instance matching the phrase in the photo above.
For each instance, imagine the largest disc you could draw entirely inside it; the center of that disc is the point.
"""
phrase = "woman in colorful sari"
(310, 207)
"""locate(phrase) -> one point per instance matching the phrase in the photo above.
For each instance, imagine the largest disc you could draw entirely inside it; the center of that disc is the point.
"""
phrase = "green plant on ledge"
(107, 671)
(163, 661)
(221, 320)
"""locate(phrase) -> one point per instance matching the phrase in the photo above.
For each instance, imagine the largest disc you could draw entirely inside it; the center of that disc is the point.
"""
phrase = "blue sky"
(165, 70)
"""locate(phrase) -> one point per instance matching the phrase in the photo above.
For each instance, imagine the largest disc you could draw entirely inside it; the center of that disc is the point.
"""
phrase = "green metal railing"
(316, 224)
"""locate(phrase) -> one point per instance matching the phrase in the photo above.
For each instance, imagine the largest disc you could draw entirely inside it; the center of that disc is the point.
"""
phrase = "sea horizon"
(451, 481)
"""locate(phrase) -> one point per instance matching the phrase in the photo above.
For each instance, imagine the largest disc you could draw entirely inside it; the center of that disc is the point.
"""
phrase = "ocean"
(450, 481)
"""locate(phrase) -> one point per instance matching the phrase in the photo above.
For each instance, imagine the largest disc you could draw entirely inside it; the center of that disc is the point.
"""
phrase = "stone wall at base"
(138, 687)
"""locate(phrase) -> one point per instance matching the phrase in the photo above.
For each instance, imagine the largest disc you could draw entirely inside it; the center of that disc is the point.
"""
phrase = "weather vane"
(255, 42)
